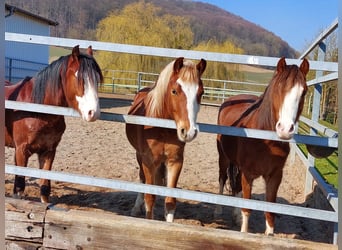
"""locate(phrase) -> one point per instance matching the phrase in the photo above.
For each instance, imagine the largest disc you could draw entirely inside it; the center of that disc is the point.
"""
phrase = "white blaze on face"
(190, 91)
(88, 104)
(285, 126)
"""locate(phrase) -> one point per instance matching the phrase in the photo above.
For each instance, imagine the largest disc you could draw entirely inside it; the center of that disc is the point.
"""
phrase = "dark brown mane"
(51, 78)
(280, 84)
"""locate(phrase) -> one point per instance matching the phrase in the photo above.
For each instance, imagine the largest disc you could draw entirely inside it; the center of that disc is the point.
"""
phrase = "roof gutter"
(11, 11)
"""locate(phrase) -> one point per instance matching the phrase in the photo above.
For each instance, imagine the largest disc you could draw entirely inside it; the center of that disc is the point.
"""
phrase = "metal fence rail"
(157, 122)
(177, 193)
(164, 52)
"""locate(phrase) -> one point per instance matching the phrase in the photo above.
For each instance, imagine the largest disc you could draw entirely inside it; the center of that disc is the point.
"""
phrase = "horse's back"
(20, 91)
(138, 105)
(11, 93)
(133, 131)
(232, 108)
(9, 89)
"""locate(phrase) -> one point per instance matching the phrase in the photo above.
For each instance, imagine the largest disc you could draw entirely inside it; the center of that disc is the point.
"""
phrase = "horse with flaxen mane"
(241, 160)
(176, 95)
(70, 81)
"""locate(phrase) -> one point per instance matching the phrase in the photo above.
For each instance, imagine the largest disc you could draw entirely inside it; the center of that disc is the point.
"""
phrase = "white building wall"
(25, 52)
(32, 52)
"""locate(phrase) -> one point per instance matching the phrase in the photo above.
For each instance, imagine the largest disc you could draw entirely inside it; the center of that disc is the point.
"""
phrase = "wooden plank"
(22, 245)
(102, 230)
(24, 220)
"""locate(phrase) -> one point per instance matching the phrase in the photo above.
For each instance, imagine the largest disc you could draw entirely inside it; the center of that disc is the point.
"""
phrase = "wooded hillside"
(79, 19)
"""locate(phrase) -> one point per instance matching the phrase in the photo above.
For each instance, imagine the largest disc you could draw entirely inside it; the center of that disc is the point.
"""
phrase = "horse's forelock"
(90, 68)
(188, 72)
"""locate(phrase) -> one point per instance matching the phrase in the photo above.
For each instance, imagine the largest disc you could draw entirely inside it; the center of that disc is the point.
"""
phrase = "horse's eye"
(174, 92)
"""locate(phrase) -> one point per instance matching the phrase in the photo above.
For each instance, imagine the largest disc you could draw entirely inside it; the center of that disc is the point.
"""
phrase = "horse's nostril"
(291, 128)
(91, 113)
(183, 131)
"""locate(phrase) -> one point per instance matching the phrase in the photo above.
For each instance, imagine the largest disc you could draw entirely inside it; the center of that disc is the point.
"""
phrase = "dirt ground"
(101, 149)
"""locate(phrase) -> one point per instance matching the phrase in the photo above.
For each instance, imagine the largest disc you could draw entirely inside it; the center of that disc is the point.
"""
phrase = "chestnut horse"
(244, 159)
(176, 95)
(70, 81)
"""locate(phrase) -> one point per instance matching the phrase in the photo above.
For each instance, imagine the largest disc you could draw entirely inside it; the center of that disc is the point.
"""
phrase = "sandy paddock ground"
(101, 149)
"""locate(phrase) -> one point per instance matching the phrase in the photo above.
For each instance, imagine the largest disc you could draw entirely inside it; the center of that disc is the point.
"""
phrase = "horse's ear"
(201, 66)
(304, 67)
(178, 64)
(281, 65)
(76, 51)
(90, 50)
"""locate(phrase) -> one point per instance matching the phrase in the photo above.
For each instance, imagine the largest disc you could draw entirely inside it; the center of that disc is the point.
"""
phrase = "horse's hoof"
(136, 211)
(236, 216)
(18, 195)
(218, 211)
(169, 217)
(44, 199)
(269, 230)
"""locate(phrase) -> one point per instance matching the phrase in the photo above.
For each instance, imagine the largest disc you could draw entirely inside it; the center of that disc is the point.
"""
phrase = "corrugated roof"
(13, 9)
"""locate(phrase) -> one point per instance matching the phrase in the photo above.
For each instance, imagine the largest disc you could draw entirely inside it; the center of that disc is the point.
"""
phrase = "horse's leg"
(45, 163)
(272, 185)
(173, 170)
(246, 194)
(139, 201)
(20, 159)
(149, 199)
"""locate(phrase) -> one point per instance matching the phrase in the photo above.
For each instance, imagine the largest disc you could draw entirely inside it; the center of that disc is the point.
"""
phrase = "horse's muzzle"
(285, 131)
(185, 135)
(91, 116)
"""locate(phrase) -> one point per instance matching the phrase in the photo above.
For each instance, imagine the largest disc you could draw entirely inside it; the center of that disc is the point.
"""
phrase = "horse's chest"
(162, 144)
(261, 157)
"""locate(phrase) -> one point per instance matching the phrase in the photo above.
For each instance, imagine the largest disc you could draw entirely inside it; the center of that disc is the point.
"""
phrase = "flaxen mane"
(188, 74)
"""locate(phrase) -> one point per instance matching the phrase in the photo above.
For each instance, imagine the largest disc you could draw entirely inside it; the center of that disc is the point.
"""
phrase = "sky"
(297, 22)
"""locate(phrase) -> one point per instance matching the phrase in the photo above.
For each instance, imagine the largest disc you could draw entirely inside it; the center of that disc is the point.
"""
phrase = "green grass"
(327, 167)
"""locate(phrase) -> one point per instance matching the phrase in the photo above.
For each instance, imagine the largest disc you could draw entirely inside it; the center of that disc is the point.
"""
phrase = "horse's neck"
(138, 106)
(264, 114)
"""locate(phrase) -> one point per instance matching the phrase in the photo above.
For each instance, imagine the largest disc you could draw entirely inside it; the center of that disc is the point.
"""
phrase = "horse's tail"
(234, 178)
(161, 177)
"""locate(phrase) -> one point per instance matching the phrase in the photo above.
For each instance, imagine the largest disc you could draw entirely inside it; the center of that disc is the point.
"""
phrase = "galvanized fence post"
(315, 114)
